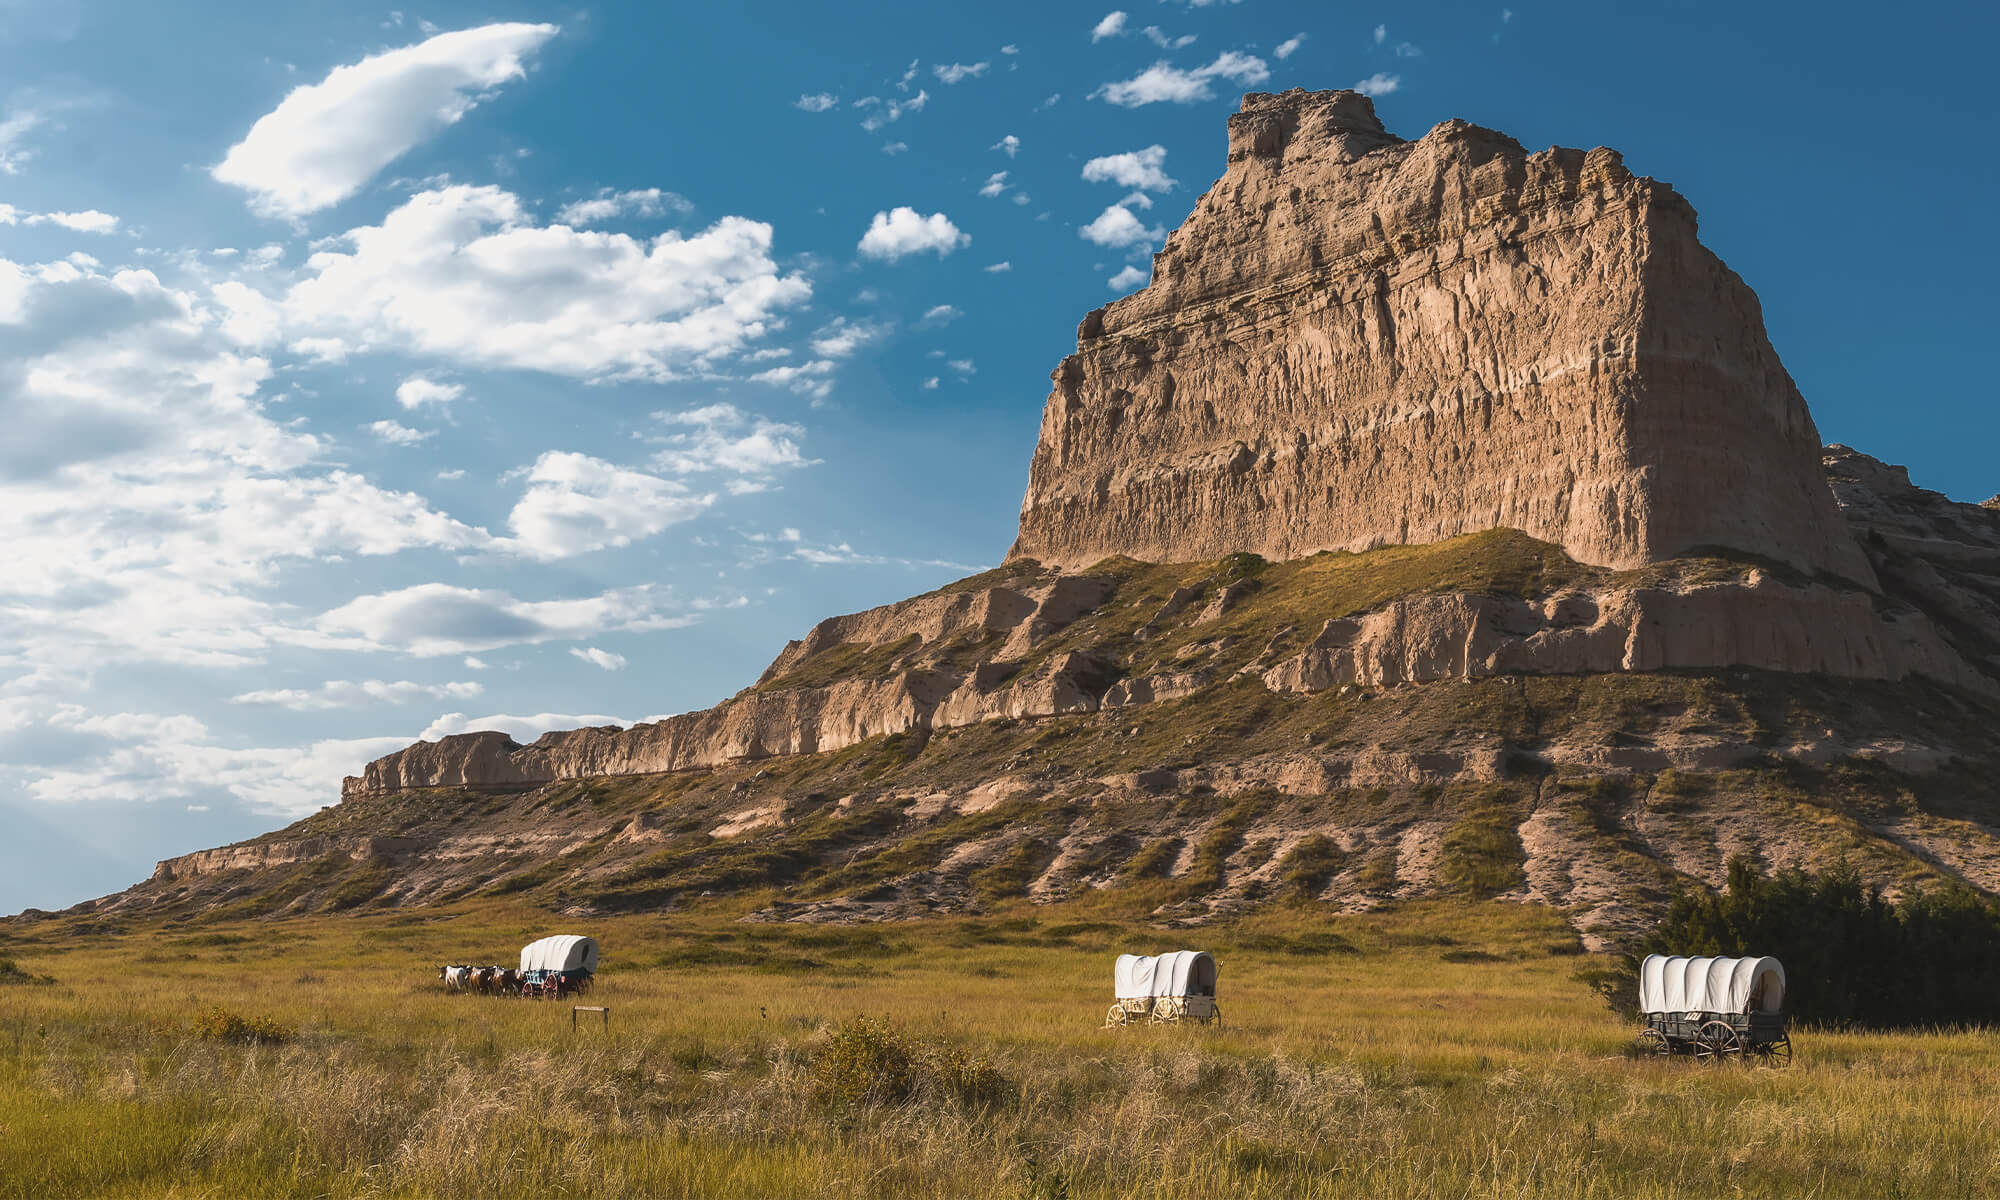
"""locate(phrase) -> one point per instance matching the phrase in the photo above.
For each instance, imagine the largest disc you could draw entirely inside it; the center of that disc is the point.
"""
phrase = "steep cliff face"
(1356, 341)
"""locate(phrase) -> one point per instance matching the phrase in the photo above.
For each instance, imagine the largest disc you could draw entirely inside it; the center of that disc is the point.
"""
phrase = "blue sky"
(375, 374)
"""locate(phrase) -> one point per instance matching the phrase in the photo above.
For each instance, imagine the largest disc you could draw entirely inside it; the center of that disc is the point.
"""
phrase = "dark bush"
(1850, 956)
(10, 973)
(867, 1062)
(221, 1024)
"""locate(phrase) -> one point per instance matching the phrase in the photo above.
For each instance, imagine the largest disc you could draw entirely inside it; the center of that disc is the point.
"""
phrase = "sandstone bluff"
(1436, 500)
(1356, 341)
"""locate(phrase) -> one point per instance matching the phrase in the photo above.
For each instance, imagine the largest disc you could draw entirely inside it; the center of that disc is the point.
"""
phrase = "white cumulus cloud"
(1117, 227)
(1130, 279)
(1142, 169)
(903, 231)
(463, 273)
(417, 391)
(325, 140)
(1289, 46)
(816, 102)
(576, 504)
(1165, 82)
(1379, 84)
(1111, 26)
(1009, 145)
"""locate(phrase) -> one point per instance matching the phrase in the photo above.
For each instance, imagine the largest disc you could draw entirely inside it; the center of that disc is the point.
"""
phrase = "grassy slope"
(1438, 1049)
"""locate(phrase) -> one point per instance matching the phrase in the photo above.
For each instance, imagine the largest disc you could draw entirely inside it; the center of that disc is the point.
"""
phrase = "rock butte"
(1356, 341)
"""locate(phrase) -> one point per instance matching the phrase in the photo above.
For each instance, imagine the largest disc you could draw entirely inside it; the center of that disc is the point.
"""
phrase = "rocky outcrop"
(916, 688)
(1756, 623)
(1930, 552)
(1356, 341)
(924, 675)
(259, 856)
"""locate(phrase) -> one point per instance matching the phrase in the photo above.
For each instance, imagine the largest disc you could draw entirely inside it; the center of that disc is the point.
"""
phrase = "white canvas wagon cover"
(1181, 973)
(563, 952)
(1718, 985)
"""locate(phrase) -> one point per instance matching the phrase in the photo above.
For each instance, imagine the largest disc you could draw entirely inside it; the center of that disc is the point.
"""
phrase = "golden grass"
(1356, 1061)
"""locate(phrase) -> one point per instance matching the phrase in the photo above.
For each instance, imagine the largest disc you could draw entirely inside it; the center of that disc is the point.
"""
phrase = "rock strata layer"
(1356, 340)
(1047, 644)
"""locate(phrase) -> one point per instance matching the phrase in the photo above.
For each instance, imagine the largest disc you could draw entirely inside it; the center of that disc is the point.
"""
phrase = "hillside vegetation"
(1594, 793)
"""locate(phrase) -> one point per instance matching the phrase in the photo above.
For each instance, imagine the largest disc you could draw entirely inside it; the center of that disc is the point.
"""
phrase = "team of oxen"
(484, 981)
(553, 967)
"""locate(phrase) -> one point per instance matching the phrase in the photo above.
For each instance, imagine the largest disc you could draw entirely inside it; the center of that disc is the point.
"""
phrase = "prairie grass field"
(1438, 1049)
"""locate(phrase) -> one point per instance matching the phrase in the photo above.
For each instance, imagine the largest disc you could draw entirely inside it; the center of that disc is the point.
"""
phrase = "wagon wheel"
(1653, 1042)
(1775, 1054)
(1218, 1016)
(1117, 1016)
(1718, 1042)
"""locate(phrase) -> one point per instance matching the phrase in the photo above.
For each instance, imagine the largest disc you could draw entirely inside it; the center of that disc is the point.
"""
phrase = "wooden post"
(596, 1008)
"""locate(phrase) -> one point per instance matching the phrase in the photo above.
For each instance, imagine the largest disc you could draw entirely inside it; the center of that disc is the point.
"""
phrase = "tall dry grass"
(1357, 1061)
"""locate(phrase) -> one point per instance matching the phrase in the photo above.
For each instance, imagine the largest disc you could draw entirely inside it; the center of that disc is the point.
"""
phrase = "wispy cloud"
(957, 72)
(606, 204)
(602, 659)
(325, 140)
(342, 693)
(394, 434)
(1165, 82)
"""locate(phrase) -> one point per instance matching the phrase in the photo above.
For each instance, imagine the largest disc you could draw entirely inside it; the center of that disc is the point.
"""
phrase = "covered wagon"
(1717, 1009)
(1179, 986)
(558, 966)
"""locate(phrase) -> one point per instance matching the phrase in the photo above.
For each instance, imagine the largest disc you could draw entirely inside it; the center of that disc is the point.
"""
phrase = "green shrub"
(11, 973)
(219, 1024)
(868, 1063)
(865, 1063)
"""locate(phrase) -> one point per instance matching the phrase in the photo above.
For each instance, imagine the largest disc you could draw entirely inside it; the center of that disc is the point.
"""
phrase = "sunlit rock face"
(1356, 340)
